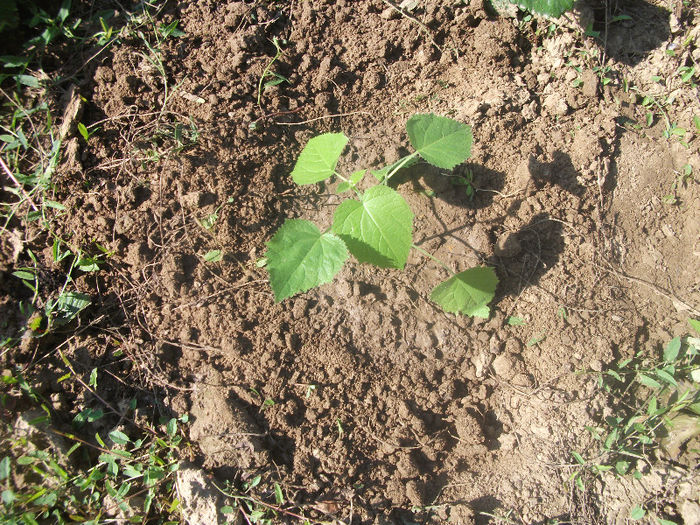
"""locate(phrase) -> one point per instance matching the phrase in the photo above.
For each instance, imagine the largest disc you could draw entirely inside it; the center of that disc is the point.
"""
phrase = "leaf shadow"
(628, 30)
(541, 243)
(364, 253)
(451, 187)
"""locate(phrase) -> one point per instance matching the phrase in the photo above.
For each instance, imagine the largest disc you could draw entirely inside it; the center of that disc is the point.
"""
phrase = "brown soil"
(362, 392)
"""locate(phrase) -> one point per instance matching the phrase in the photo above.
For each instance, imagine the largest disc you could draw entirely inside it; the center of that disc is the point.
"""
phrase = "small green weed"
(377, 228)
(657, 410)
(127, 473)
(275, 79)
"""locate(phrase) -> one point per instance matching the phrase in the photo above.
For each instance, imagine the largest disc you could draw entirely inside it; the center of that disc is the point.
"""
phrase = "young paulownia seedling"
(377, 227)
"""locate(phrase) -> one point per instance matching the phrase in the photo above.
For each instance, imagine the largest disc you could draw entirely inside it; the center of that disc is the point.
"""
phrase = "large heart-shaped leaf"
(319, 157)
(441, 141)
(300, 257)
(467, 292)
(377, 229)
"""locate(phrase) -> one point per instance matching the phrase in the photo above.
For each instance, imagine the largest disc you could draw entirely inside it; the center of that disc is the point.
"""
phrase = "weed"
(275, 78)
(377, 228)
(466, 180)
(130, 474)
(242, 502)
(657, 402)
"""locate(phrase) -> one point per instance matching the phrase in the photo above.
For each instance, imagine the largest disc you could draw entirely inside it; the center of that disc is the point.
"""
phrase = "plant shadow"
(453, 188)
(628, 30)
(539, 245)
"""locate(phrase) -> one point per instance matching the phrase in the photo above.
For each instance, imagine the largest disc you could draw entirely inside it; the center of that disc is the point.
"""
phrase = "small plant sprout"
(270, 78)
(377, 226)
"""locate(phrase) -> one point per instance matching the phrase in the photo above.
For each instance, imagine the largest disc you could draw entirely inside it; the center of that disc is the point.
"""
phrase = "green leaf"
(69, 305)
(279, 497)
(318, 159)
(622, 467)
(118, 437)
(637, 513)
(553, 8)
(666, 377)
(93, 378)
(83, 131)
(25, 276)
(28, 80)
(354, 179)
(213, 256)
(299, 257)
(4, 468)
(515, 321)
(579, 459)
(226, 509)
(695, 324)
(378, 229)
(171, 427)
(468, 292)
(672, 349)
(441, 141)
(648, 381)
(153, 475)
(55, 205)
(8, 497)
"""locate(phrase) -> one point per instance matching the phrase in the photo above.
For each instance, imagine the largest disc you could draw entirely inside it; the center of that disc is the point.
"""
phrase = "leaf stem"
(341, 177)
(431, 256)
(352, 186)
(401, 165)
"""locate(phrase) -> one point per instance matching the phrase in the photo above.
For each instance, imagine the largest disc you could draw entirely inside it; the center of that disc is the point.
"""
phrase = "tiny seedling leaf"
(300, 257)
(441, 141)
(672, 349)
(695, 324)
(515, 321)
(648, 381)
(637, 513)
(4, 468)
(354, 179)
(213, 256)
(118, 437)
(319, 157)
(579, 459)
(279, 497)
(467, 292)
(376, 229)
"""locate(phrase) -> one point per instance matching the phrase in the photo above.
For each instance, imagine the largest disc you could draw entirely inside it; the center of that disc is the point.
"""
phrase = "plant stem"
(341, 177)
(397, 168)
(431, 256)
(267, 68)
(357, 192)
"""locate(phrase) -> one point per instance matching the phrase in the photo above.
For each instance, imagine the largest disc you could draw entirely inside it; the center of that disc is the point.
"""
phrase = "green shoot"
(377, 227)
